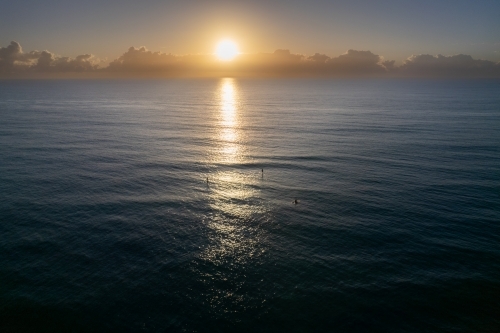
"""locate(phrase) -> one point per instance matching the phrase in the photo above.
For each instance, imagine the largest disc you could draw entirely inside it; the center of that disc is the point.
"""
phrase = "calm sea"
(169, 205)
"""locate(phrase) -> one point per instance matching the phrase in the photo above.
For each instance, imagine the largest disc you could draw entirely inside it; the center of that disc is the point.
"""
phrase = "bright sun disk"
(226, 50)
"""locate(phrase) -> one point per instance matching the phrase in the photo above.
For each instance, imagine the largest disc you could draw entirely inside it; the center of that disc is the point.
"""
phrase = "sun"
(226, 50)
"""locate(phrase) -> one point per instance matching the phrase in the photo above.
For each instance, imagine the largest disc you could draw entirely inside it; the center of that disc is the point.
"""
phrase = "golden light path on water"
(234, 225)
(229, 121)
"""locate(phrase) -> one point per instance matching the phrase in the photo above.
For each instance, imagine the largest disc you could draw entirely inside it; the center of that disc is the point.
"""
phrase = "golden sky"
(273, 37)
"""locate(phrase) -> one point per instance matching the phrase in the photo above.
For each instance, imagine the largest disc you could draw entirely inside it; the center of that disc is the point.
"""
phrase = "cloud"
(14, 60)
(461, 65)
(286, 55)
(142, 59)
(12, 57)
(142, 62)
(48, 62)
(356, 62)
(319, 58)
(389, 65)
(284, 63)
(137, 62)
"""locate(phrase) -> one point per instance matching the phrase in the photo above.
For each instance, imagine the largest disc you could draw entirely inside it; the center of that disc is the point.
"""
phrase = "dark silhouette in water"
(262, 173)
(295, 201)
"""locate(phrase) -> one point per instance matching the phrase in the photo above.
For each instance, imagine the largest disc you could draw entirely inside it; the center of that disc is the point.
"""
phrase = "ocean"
(247, 205)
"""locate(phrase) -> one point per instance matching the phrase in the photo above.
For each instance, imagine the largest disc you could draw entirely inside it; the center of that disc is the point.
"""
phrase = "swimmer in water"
(295, 202)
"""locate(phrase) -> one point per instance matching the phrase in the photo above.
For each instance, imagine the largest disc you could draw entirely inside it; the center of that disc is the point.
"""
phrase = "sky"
(394, 30)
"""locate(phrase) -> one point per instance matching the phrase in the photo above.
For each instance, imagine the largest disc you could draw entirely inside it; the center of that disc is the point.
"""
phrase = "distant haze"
(141, 62)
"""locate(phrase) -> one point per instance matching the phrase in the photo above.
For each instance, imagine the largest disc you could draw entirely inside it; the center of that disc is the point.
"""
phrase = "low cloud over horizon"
(140, 62)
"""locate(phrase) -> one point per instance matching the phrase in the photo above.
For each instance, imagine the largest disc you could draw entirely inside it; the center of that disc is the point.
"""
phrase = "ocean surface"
(169, 206)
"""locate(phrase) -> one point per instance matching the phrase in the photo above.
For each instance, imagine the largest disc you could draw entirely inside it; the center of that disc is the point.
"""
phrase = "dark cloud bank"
(140, 62)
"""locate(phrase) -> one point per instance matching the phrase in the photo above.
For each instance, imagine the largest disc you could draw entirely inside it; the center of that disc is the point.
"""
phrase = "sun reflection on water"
(229, 122)
(233, 191)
